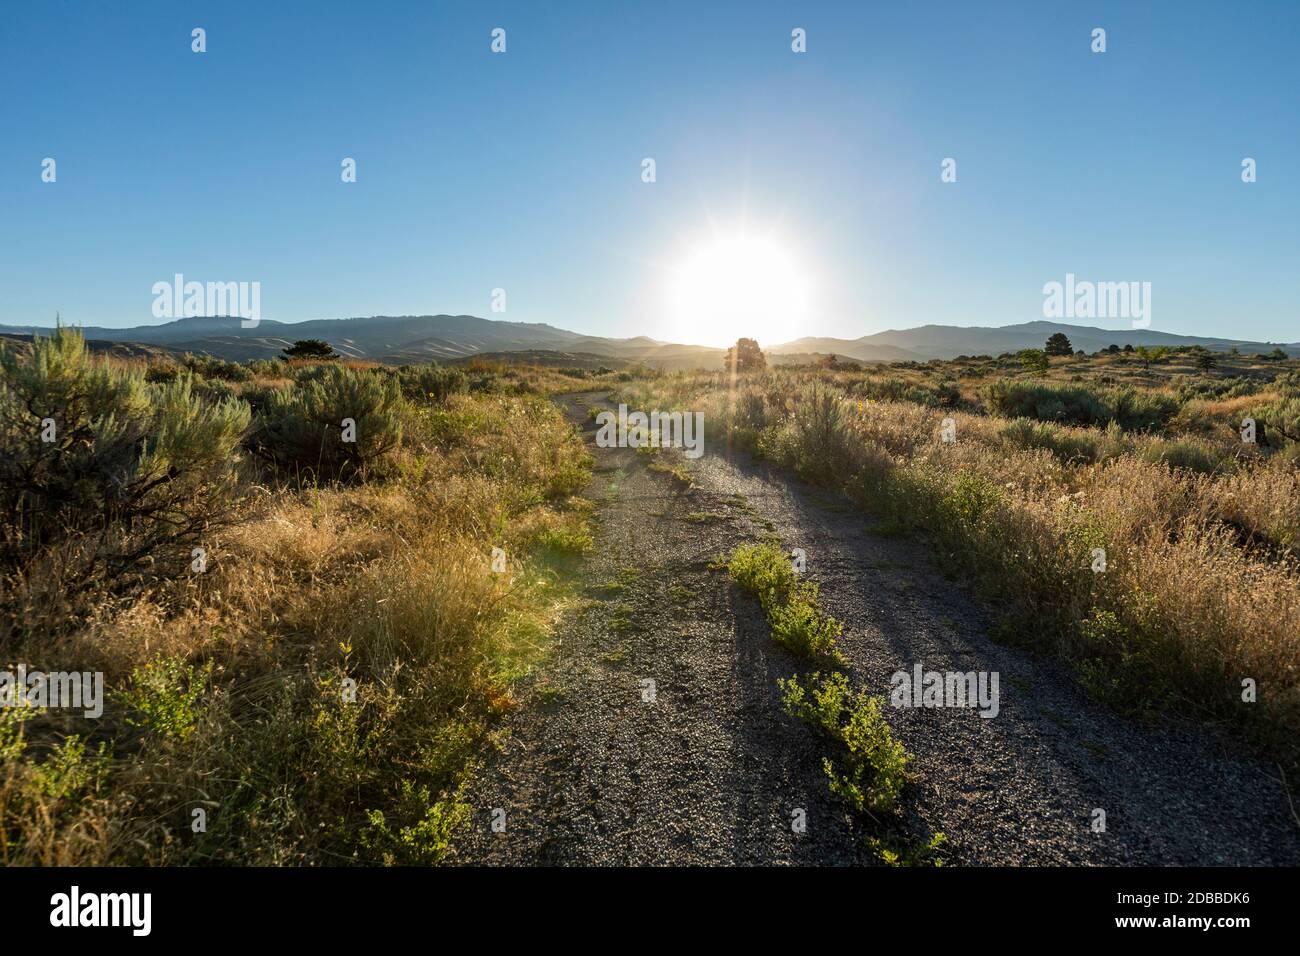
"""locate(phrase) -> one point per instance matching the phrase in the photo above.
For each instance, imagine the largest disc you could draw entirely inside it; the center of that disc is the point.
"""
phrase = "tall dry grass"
(322, 690)
(1201, 589)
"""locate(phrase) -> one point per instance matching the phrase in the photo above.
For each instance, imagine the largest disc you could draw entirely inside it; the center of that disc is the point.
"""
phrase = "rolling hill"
(447, 338)
(948, 341)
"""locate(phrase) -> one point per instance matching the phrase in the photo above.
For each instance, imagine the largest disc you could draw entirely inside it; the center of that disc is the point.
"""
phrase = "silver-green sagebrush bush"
(430, 382)
(333, 423)
(102, 467)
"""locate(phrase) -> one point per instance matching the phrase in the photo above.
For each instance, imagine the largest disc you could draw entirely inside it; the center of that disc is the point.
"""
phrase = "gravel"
(712, 771)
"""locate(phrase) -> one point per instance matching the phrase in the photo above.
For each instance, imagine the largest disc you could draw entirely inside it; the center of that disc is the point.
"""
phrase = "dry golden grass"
(388, 584)
(1201, 591)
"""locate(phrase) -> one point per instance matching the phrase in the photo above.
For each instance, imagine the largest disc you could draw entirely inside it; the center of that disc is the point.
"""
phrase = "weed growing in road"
(870, 767)
(800, 626)
(791, 606)
(765, 571)
(705, 517)
(909, 854)
(678, 471)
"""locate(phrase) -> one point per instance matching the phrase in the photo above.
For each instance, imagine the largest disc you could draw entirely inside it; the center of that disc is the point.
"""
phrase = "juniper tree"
(745, 356)
(1058, 344)
(312, 349)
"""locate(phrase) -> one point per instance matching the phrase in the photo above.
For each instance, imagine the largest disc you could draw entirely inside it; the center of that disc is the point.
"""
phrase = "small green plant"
(791, 605)
(870, 766)
(764, 570)
(42, 798)
(164, 696)
(799, 626)
(565, 539)
(907, 853)
(677, 470)
(421, 829)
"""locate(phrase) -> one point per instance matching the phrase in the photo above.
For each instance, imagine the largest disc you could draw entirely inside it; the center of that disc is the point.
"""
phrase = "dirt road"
(702, 766)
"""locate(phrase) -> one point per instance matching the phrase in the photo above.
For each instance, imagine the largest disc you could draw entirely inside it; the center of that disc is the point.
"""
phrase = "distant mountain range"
(449, 338)
(399, 339)
(949, 341)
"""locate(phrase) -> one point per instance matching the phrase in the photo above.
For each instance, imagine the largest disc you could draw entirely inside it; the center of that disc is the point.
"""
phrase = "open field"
(1200, 530)
(329, 651)
(318, 691)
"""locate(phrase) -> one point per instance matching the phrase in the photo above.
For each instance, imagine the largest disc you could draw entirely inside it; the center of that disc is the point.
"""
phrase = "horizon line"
(467, 315)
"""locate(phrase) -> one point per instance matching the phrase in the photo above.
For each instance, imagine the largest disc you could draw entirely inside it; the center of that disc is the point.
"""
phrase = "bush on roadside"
(101, 466)
(335, 423)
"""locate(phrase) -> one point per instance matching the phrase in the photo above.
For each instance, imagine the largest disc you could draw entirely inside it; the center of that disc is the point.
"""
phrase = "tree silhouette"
(745, 356)
(1058, 344)
(317, 349)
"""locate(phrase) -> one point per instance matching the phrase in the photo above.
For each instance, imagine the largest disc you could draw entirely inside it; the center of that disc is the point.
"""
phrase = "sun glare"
(738, 287)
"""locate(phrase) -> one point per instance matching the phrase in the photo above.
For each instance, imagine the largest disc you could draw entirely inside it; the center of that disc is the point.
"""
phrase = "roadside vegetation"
(1107, 503)
(285, 571)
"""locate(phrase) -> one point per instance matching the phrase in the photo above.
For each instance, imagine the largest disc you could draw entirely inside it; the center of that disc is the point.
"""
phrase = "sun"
(738, 286)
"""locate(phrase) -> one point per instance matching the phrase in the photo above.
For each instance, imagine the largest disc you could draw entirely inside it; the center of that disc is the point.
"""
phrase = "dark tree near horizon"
(317, 349)
(1205, 361)
(745, 356)
(1058, 344)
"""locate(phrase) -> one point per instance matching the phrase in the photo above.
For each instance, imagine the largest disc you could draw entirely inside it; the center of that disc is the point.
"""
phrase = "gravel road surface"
(600, 767)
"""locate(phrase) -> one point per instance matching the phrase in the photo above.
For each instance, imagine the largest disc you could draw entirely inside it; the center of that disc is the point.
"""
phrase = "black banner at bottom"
(335, 906)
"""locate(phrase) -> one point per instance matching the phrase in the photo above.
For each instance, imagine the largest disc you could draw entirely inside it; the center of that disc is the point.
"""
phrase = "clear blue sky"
(522, 170)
